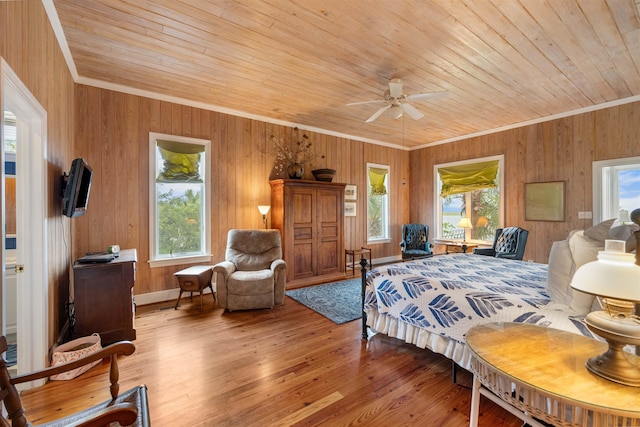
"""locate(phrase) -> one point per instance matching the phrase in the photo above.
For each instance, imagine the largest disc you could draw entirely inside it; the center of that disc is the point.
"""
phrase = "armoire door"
(302, 212)
(330, 250)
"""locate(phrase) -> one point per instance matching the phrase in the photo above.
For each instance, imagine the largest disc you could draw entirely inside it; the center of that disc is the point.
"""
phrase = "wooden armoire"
(310, 217)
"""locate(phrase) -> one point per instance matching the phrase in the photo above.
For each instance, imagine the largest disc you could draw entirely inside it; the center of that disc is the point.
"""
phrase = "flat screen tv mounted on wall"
(76, 187)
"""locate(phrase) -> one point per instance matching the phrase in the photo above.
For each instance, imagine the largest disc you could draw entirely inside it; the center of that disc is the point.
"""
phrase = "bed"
(432, 302)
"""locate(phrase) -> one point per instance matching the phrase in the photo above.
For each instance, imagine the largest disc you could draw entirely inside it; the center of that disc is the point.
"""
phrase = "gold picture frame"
(544, 201)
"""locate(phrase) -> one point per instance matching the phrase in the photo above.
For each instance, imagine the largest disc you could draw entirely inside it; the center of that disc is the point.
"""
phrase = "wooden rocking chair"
(128, 408)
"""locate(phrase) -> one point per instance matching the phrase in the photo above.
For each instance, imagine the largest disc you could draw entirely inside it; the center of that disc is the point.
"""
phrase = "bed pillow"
(559, 273)
(566, 257)
(600, 232)
(583, 250)
(625, 233)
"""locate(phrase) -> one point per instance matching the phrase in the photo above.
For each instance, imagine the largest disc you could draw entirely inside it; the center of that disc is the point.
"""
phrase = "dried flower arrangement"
(288, 152)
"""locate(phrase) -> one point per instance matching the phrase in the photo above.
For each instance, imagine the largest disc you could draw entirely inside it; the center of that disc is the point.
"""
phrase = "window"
(179, 200)
(469, 189)
(616, 192)
(377, 203)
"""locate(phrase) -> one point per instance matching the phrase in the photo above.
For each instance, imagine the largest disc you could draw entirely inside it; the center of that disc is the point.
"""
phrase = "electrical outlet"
(585, 215)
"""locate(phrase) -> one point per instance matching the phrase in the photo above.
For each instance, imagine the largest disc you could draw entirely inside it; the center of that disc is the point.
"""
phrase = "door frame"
(31, 167)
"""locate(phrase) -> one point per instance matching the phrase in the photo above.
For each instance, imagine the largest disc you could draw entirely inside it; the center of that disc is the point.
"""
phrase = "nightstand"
(539, 373)
(459, 247)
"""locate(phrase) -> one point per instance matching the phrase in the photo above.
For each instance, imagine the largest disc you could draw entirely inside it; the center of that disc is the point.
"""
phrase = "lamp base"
(615, 364)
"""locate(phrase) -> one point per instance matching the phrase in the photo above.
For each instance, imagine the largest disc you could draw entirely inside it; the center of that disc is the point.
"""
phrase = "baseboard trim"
(163, 296)
(386, 260)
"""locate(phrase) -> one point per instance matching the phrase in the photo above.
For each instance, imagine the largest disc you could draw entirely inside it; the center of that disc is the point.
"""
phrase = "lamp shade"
(613, 275)
(264, 209)
(465, 223)
(482, 221)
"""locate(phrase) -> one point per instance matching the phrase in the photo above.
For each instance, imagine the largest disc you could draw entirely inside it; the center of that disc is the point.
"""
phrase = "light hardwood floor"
(280, 367)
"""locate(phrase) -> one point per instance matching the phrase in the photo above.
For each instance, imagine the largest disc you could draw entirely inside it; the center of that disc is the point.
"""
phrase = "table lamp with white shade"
(465, 224)
(616, 279)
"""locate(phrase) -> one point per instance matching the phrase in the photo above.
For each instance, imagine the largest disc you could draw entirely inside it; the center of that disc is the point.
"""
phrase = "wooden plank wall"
(558, 150)
(112, 134)
(28, 45)
(111, 131)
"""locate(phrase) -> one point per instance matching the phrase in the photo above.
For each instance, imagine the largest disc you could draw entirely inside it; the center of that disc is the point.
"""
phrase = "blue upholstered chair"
(415, 241)
(508, 243)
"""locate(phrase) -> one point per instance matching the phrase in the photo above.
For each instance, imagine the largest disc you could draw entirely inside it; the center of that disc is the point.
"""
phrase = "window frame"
(205, 255)
(603, 186)
(386, 207)
(438, 200)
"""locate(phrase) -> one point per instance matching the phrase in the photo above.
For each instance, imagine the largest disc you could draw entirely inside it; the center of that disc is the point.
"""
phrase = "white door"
(31, 237)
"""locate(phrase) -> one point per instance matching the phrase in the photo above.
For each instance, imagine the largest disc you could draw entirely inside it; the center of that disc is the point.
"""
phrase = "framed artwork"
(351, 192)
(350, 209)
(544, 201)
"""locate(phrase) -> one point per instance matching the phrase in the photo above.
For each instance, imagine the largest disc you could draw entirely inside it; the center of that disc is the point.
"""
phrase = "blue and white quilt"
(449, 294)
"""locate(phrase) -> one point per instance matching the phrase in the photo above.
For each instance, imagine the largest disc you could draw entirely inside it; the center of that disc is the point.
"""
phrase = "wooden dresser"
(310, 217)
(103, 298)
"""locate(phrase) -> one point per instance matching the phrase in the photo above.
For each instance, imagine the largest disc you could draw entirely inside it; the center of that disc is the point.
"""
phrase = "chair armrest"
(484, 251)
(403, 244)
(123, 413)
(226, 268)
(278, 265)
(122, 347)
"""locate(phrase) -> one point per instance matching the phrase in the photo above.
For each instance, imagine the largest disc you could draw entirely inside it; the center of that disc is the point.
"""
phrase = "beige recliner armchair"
(253, 275)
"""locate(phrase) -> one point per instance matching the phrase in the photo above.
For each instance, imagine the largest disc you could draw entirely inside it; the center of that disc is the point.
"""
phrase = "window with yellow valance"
(181, 162)
(468, 177)
(377, 177)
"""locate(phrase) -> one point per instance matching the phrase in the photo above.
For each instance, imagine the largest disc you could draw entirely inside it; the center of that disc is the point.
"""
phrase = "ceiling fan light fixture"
(395, 112)
(397, 103)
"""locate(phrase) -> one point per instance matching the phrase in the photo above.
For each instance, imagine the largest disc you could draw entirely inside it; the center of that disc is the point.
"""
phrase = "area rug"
(11, 355)
(340, 302)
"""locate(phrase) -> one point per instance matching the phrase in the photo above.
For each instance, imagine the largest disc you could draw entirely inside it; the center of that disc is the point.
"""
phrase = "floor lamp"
(264, 210)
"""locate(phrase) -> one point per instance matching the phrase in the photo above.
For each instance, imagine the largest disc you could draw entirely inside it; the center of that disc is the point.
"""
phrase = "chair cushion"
(508, 240)
(415, 253)
(136, 396)
(250, 282)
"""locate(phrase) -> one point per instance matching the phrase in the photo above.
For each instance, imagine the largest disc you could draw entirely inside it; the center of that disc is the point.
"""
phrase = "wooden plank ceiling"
(300, 62)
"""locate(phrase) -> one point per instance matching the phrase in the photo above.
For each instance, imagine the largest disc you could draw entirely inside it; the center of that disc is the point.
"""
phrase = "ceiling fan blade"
(431, 95)
(377, 113)
(367, 102)
(395, 88)
(412, 111)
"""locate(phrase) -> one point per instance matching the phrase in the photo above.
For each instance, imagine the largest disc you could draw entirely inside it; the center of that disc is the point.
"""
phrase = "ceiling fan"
(398, 102)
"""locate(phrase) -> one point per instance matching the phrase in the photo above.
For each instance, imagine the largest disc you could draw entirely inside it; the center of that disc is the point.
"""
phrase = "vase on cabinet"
(295, 171)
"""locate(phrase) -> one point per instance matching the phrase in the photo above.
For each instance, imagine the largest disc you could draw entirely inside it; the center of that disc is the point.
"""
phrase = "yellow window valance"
(181, 161)
(377, 177)
(468, 177)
